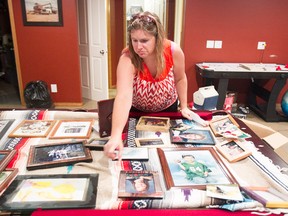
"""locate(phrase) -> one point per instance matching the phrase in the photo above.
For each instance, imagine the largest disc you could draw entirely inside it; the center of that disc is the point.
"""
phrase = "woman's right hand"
(111, 147)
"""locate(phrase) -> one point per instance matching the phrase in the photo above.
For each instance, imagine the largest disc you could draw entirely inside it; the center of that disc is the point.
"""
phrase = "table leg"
(222, 89)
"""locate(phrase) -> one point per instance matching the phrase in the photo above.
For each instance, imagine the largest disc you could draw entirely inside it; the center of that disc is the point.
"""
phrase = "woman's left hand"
(189, 114)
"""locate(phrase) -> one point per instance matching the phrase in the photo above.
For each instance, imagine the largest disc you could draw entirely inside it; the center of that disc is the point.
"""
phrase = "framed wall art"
(150, 123)
(193, 168)
(233, 150)
(42, 13)
(5, 157)
(57, 154)
(78, 129)
(6, 177)
(141, 184)
(4, 126)
(29, 192)
(33, 128)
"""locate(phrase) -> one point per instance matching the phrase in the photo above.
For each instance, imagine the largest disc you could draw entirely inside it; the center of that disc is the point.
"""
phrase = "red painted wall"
(240, 25)
(51, 53)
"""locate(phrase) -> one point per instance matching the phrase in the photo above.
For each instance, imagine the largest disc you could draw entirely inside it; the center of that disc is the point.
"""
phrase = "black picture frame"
(57, 154)
(17, 198)
(5, 124)
(42, 13)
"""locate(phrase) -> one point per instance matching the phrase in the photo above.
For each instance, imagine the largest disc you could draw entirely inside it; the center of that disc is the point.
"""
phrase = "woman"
(150, 77)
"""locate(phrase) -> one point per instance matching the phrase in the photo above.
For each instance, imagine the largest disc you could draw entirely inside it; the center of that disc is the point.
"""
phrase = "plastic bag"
(37, 95)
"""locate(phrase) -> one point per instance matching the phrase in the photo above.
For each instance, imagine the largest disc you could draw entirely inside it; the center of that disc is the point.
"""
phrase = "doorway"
(9, 90)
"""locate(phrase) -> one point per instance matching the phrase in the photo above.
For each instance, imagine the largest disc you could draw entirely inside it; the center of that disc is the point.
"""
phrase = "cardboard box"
(205, 98)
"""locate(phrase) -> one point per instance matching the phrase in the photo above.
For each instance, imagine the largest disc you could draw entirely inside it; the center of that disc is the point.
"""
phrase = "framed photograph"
(221, 125)
(269, 197)
(33, 128)
(142, 184)
(233, 150)
(29, 192)
(132, 153)
(194, 167)
(57, 154)
(150, 142)
(165, 136)
(150, 123)
(6, 177)
(4, 126)
(42, 13)
(5, 157)
(96, 143)
(78, 129)
(192, 136)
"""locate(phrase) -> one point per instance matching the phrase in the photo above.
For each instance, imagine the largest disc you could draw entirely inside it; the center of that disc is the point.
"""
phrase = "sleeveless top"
(154, 95)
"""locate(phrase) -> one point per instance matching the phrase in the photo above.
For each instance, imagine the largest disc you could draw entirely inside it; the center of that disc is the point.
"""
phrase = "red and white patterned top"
(154, 95)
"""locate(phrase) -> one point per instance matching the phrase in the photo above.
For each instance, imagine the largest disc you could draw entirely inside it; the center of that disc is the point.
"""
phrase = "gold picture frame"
(33, 128)
(150, 123)
(77, 129)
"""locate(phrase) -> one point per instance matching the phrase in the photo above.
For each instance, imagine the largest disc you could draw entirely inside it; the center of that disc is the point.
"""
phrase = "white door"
(92, 25)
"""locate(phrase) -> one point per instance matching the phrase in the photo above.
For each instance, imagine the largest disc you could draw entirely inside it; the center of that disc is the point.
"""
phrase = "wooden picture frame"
(269, 197)
(5, 157)
(221, 124)
(57, 154)
(6, 177)
(233, 150)
(5, 124)
(150, 142)
(192, 136)
(96, 143)
(139, 184)
(165, 136)
(150, 123)
(210, 168)
(59, 191)
(42, 13)
(77, 129)
(33, 128)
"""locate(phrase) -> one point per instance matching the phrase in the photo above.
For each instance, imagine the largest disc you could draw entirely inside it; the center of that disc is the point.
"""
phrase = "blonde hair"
(150, 23)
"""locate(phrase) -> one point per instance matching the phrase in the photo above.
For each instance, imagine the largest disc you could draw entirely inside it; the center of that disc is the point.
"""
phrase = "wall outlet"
(218, 44)
(210, 44)
(54, 88)
(261, 45)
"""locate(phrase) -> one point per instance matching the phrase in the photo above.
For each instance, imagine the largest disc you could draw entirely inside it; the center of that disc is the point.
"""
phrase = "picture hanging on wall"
(42, 12)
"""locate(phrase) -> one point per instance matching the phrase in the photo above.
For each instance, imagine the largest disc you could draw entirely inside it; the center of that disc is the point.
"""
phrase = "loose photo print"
(133, 184)
(192, 136)
(229, 192)
(132, 153)
(153, 123)
(33, 128)
(57, 154)
(80, 129)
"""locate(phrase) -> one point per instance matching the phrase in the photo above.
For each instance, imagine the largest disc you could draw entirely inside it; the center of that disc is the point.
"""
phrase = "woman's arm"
(121, 107)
